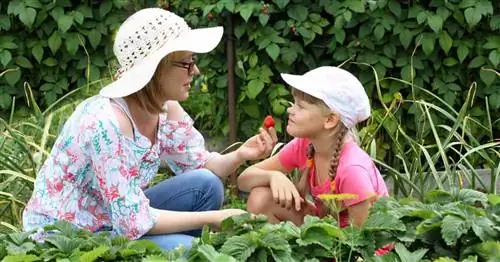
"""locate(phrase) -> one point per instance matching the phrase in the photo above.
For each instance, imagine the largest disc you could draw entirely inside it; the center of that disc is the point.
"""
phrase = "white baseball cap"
(340, 90)
(145, 38)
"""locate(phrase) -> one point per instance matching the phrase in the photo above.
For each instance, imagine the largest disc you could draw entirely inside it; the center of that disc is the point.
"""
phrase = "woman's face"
(177, 75)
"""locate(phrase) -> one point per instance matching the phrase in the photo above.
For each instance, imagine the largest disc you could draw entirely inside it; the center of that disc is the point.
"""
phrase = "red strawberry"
(268, 122)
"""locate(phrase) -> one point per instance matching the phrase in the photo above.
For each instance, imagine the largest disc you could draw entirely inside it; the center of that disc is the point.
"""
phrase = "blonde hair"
(152, 97)
(339, 135)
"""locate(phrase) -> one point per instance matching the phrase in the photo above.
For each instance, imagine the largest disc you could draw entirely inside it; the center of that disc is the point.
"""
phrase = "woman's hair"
(338, 136)
(152, 97)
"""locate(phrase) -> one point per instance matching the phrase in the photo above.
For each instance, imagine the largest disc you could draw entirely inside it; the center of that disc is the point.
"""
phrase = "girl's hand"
(259, 146)
(284, 191)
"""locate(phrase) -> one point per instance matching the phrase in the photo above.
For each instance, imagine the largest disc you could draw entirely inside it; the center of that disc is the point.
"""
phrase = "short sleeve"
(355, 180)
(294, 154)
(115, 171)
(183, 146)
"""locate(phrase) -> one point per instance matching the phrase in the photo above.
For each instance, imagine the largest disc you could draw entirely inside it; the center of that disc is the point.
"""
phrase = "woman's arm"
(256, 147)
(175, 221)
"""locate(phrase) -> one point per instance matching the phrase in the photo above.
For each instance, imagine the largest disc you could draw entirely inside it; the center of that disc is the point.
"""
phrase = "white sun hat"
(340, 90)
(145, 38)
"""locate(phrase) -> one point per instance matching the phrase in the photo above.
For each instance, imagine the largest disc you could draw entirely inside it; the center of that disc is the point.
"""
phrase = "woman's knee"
(259, 200)
(211, 184)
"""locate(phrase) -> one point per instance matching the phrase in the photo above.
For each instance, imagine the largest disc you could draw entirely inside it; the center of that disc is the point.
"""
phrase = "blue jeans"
(197, 190)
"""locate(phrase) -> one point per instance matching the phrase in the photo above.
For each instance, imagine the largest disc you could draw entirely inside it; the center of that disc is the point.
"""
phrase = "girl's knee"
(259, 200)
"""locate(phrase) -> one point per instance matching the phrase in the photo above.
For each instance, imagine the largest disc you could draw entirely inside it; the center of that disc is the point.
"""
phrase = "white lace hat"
(145, 38)
(340, 90)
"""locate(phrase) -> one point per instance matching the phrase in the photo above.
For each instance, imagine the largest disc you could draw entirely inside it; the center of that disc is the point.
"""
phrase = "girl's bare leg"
(260, 201)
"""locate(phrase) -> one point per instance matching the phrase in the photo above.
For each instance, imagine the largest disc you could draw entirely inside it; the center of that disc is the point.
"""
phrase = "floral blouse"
(95, 175)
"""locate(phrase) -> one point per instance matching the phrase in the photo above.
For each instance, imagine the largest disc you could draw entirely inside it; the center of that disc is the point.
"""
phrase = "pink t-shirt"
(356, 174)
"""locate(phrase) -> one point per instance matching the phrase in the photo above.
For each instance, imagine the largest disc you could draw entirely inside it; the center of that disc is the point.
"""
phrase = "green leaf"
(445, 41)
(407, 73)
(379, 32)
(33, 3)
(467, 3)
(422, 17)
(263, 18)
(477, 62)
(453, 228)
(209, 253)
(55, 42)
(386, 222)
(435, 22)
(495, 23)
(485, 7)
(254, 59)
(494, 57)
(428, 40)
(487, 77)
(356, 6)
(298, 12)
(21, 257)
(246, 11)
(340, 36)
(450, 61)
(50, 61)
(13, 76)
(15, 7)
(104, 8)
(72, 43)
(462, 52)
(23, 62)
(4, 22)
(472, 16)
(493, 199)
(395, 8)
(252, 110)
(273, 50)
(57, 12)
(288, 55)
(347, 16)
(405, 37)
(281, 3)
(408, 256)
(484, 228)
(94, 38)
(254, 88)
(239, 247)
(37, 52)
(27, 16)
(64, 22)
(94, 254)
(5, 57)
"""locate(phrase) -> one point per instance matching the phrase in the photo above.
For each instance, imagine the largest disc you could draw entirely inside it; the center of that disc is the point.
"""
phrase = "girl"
(329, 102)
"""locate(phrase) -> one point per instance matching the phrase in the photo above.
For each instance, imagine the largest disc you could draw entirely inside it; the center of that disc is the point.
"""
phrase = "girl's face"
(306, 119)
(177, 75)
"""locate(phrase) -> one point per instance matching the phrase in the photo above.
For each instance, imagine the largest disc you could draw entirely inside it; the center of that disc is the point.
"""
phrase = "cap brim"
(301, 83)
(201, 40)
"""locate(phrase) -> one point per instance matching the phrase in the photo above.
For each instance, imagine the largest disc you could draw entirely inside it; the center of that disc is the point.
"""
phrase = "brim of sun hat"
(302, 83)
(200, 40)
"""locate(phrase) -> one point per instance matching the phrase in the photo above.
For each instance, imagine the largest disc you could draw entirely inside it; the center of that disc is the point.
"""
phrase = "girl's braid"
(339, 139)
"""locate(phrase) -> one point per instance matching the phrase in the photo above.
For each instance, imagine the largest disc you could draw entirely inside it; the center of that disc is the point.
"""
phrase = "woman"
(112, 145)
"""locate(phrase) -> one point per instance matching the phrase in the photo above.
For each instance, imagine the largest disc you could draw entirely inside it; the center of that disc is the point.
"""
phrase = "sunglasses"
(186, 65)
